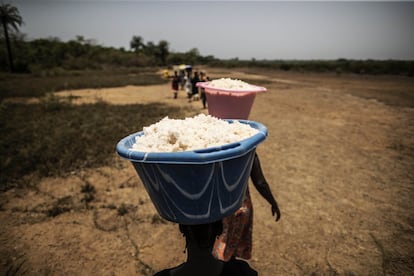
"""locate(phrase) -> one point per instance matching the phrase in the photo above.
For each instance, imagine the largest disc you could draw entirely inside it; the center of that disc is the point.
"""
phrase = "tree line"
(81, 53)
(20, 55)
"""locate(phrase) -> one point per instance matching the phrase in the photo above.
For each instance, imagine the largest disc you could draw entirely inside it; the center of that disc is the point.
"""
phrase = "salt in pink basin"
(229, 103)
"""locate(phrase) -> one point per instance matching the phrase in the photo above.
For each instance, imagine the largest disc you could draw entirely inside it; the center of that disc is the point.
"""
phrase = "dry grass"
(55, 137)
(38, 85)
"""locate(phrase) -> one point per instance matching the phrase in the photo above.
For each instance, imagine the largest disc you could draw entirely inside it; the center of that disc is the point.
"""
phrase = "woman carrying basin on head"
(232, 98)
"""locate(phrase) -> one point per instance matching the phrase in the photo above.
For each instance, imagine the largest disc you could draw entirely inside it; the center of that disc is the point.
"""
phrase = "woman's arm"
(262, 186)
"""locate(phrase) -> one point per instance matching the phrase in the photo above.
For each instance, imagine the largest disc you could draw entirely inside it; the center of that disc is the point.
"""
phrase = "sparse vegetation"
(88, 191)
(56, 137)
(339, 66)
(60, 206)
(122, 210)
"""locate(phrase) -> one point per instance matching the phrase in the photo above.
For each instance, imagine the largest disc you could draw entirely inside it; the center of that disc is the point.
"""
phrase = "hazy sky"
(247, 29)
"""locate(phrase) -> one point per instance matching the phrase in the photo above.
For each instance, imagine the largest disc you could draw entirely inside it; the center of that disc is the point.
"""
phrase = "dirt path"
(339, 163)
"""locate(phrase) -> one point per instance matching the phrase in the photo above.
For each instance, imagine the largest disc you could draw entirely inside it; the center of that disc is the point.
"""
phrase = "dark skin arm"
(262, 186)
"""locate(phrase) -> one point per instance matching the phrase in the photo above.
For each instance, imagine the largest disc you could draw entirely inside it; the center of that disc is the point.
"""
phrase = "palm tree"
(137, 43)
(10, 19)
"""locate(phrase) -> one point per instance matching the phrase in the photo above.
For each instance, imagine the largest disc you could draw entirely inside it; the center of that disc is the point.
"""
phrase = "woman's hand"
(275, 211)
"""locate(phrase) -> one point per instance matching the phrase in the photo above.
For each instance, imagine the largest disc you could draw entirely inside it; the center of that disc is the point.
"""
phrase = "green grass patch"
(55, 137)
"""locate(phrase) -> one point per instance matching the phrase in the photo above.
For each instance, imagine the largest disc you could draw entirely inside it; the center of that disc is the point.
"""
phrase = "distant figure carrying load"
(188, 87)
(194, 81)
(203, 96)
(175, 84)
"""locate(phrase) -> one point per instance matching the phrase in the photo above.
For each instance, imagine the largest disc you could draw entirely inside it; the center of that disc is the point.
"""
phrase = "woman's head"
(204, 235)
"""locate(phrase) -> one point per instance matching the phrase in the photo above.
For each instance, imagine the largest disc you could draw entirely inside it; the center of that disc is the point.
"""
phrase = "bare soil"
(339, 159)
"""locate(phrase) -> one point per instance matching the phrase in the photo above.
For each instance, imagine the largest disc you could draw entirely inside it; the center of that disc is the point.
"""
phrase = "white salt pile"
(199, 132)
(230, 84)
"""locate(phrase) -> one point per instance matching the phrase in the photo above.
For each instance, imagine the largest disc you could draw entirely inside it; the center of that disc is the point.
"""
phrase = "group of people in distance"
(187, 81)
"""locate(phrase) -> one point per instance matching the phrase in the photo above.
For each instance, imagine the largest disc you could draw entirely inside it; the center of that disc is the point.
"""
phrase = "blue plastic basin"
(196, 187)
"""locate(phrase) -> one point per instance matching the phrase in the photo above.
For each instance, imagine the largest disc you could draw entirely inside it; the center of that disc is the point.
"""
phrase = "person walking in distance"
(194, 81)
(175, 84)
(188, 86)
(203, 97)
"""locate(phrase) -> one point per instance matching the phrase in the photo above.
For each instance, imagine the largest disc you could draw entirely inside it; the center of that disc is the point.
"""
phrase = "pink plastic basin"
(230, 104)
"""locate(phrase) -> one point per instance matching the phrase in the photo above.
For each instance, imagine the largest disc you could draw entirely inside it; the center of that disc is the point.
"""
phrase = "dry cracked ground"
(339, 159)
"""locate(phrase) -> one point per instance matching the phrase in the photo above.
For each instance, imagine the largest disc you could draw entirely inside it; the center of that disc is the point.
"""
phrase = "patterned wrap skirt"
(236, 238)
